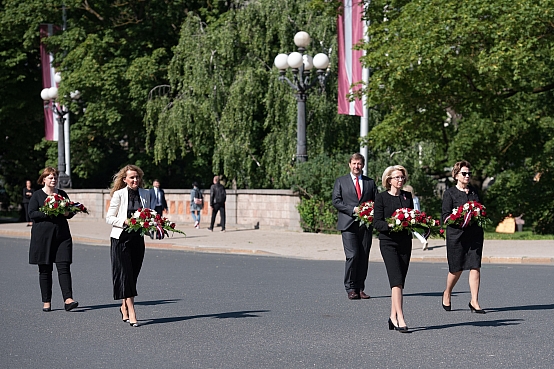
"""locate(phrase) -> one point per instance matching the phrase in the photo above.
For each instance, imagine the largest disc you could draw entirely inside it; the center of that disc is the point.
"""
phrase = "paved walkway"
(272, 242)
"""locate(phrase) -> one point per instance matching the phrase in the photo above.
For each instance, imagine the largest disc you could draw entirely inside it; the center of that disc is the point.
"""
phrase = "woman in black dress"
(464, 246)
(51, 242)
(396, 247)
(127, 249)
(27, 194)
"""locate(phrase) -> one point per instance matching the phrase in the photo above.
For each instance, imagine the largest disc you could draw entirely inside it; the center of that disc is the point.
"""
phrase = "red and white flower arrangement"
(414, 221)
(365, 213)
(146, 220)
(466, 214)
(56, 204)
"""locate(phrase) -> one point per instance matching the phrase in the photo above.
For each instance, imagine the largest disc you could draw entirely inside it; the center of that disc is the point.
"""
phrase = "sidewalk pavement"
(314, 246)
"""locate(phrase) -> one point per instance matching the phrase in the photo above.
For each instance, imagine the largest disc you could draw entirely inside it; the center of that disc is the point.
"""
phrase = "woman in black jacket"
(51, 242)
(396, 247)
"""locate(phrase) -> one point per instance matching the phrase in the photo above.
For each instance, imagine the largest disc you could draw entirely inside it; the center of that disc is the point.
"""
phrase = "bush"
(317, 215)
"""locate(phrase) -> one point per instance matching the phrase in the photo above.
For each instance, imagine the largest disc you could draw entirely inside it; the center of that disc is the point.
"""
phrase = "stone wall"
(244, 208)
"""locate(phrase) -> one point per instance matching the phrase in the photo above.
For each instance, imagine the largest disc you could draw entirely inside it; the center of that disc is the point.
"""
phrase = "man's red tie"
(358, 189)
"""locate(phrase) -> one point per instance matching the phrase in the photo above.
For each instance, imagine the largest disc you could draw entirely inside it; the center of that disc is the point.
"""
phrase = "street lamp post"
(50, 96)
(301, 65)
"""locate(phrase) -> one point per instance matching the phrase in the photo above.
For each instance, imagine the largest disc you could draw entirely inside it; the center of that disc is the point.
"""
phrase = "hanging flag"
(350, 32)
(48, 72)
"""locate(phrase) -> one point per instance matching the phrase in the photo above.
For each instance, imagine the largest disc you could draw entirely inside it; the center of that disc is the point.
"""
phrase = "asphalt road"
(228, 311)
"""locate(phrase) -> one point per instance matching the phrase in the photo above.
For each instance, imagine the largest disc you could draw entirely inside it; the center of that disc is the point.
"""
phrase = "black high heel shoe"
(122, 318)
(71, 306)
(474, 310)
(135, 324)
(445, 307)
(399, 329)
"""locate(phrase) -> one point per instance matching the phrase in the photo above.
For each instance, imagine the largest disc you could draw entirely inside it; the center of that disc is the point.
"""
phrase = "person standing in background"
(27, 193)
(218, 196)
(196, 204)
(417, 207)
(157, 198)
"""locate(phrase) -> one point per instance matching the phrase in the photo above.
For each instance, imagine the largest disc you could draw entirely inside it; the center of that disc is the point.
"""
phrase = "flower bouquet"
(414, 221)
(56, 204)
(365, 213)
(146, 220)
(466, 214)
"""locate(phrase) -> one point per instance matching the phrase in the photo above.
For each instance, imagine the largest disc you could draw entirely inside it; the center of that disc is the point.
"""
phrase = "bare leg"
(396, 312)
(451, 281)
(124, 310)
(474, 282)
(130, 302)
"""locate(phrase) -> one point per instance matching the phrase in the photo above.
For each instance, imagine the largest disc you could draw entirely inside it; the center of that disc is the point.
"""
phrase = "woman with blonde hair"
(396, 247)
(127, 248)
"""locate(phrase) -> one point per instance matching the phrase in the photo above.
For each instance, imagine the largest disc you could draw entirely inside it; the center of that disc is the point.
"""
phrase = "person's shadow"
(484, 323)
(228, 315)
(82, 309)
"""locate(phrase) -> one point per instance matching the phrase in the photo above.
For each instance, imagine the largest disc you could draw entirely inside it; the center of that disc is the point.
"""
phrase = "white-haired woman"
(396, 247)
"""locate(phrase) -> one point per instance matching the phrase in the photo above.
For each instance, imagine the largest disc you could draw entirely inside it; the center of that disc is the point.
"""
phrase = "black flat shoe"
(474, 310)
(135, 324)
(122, 318)
(71, 306)
(445, 307)
(47, 309)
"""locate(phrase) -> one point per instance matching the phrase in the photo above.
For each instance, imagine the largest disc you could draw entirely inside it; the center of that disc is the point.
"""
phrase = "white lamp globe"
(295, 60)
(57, 77)
(302, 39)
(308, 62)
(321, 61)
(53, 93)
(75, 95)
(45, 94)
(281, 61)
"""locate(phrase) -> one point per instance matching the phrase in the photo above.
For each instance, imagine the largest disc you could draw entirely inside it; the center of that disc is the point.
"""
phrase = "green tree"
(474, 80)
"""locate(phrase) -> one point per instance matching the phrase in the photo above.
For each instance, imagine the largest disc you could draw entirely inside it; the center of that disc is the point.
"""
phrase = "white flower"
(466, 206)
(412, 221)
(398, 221)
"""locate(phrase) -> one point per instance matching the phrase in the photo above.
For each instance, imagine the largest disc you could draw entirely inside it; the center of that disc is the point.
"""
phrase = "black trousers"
(26, 211)
(221, 208)
(159, 209)
(356, 241)
(45, 280)
(127, 254)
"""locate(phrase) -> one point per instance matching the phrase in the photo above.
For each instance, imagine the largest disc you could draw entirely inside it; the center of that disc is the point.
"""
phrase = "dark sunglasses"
(465, 174)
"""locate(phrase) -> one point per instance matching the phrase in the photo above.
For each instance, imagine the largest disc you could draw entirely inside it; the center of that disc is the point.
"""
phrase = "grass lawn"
(527, 234)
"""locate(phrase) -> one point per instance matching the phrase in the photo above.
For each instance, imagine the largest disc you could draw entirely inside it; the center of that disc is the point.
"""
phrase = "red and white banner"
(48, 72)
(350, 32)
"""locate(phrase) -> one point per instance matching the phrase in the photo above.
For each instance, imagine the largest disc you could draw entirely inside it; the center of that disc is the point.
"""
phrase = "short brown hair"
(45, 173)
(357, 156)
(387, 175)
(458, 167)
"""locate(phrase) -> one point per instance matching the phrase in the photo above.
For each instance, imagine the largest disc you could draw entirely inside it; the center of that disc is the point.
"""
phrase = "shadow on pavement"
(118, 304)
(232, 314)
(487, 323)
(519, 308)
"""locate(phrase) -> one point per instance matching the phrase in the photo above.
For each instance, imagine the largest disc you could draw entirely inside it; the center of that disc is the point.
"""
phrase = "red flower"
(441, 231)
(56, 205)
(401, 216)
(146, 225)
(142, 215)
(133, 221)
(172, 225)
(405, 224)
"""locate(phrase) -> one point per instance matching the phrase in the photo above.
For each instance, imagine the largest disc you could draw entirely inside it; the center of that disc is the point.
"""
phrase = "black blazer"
(345, 198)
(154, 201)
(50, 236)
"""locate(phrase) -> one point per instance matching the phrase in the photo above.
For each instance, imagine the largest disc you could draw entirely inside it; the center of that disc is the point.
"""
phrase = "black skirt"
(127, 254)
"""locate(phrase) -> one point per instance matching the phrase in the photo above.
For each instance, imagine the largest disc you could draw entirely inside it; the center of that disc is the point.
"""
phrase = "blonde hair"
(118, 178)
(45, 173)
(387, 175)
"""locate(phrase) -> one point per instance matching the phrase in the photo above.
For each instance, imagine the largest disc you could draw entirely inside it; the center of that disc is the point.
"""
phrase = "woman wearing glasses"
(464, 246)
(396, 247)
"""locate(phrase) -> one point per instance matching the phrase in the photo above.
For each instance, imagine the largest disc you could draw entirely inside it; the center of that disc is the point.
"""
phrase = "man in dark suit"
(349, 192)
(157, 198)
(218, 196)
